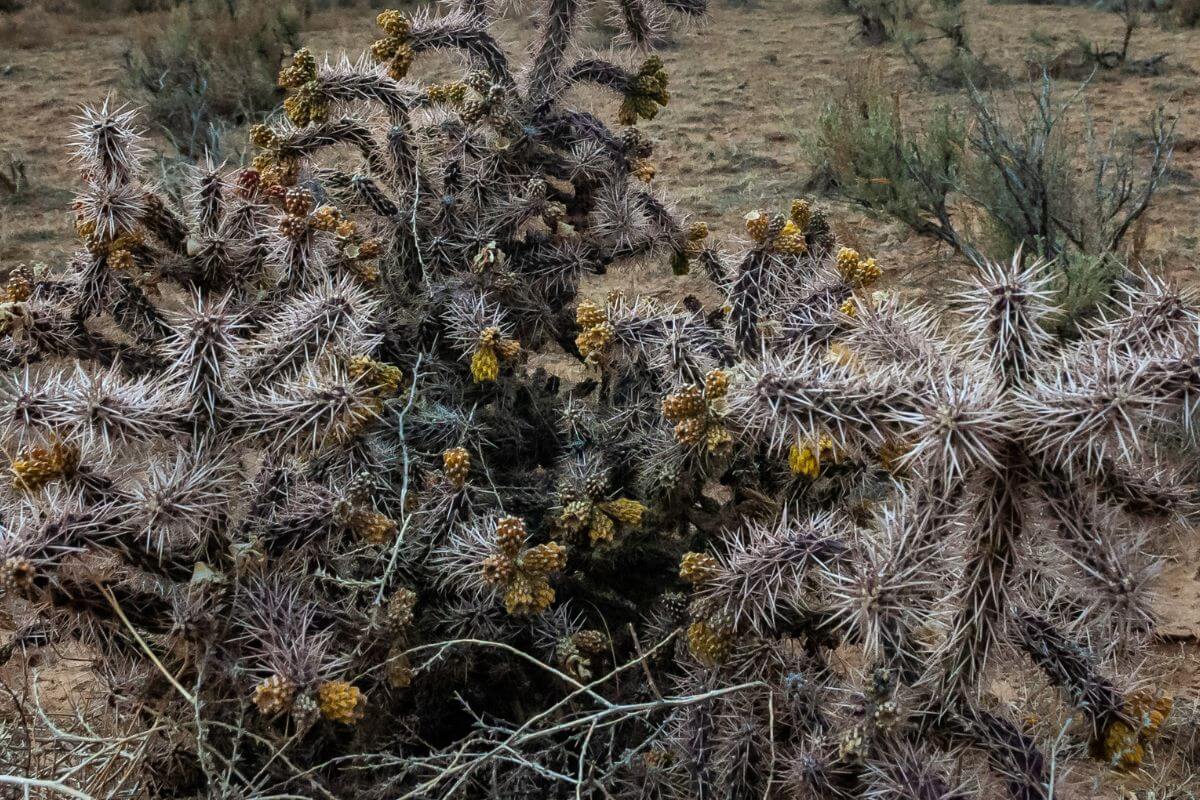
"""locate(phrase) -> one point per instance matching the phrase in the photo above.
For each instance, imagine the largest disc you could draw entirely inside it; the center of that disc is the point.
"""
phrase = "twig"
(36, 783)
(112, 601)
(582, 758)
(404, 478)
(637, 646)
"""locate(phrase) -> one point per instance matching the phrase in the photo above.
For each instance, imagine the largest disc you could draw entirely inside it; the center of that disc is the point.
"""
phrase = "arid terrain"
(746, 88)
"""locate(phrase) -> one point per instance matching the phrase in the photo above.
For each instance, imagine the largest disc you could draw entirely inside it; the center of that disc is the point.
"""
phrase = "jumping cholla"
(287, 458)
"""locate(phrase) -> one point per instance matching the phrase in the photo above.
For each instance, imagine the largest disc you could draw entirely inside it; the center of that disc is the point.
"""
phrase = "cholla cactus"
(522, 573)
(989, 424)
(257, 384)
(292, 443)
(696, 413)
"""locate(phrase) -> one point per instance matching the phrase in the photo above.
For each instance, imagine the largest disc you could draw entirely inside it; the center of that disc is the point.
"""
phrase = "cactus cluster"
(281, 458)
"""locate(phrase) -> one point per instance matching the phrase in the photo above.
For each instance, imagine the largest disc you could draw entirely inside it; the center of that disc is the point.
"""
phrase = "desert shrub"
(933, 35)
(1132, 14)
(872, 158)
(279, 456)
(1086, 54)
(212, 65)
(1186, 12)
(986, 180)
(1084, 284)
(879, 21)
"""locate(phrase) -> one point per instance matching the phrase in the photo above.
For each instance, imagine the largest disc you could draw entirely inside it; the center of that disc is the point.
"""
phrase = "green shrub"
(213, 65)
(1186, 12)
(1083, 284)
(1017, 172)
(875, 161)
(991, 181)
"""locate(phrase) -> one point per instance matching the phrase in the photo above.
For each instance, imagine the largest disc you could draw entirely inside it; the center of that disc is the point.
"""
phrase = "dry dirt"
(746, 90)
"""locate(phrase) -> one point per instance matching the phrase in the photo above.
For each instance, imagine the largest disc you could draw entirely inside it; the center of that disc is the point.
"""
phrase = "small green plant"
(212, 66)
(1019, 168)
(923, 29)
(1186, 12)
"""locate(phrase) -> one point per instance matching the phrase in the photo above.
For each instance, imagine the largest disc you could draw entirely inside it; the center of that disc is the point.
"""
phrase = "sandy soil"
(746, 88)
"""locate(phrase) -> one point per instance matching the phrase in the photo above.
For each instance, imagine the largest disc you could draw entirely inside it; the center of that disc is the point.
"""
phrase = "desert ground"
(746, 88)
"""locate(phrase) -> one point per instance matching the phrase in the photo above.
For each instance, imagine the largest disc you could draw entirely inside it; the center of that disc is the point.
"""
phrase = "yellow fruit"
(697, 567)
(498, 569)
(711, 643)
(510, 535)
(590, 641)
(121, 260)
(262, 136)
(686, 403)
(385, 377)
(642, 169)
(589, 315)
(340, 701)
(485, 365)
(447, 93)
(373, 527)
(326, 218)
(400, 609)
(757, 225)
(594, 339)
(1123, 743)
(293, 227)
(393, 23)
(690, 431)
(602, 529)
(401, 62)
(791, 244)
(43, 465)
(528, 594)
(545, 558)
(855, 270)
(868, 272)
(274, 695)
(804, 460)
(847, 261)
(801, 214)
(717, 439)
(625, 511)
(576, 515)
(508, 349)
(456, 464)
(716, 385)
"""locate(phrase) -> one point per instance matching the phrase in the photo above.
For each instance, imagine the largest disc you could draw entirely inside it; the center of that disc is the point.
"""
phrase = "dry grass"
(736, 133)
(210, 66)
(33, 27)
